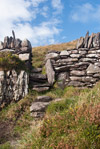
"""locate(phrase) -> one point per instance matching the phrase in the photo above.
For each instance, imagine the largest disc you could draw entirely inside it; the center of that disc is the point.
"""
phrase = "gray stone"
(86, 39)
(26, 49)
(39, 85)
(65, 53)
(67, 60)
(74, 51)
(52, 56)
(26, 43)
(38, 115)
(83, 49)
(13, 33)
(1, 45)
(24, 57)
(90, 42)
(43, 99)
(13, 86)
(63, 77)
(97, 75)
(38, 106)
(6, 42)
(91, 55)
(92, 60)
(62, 68)
(96, 40)
(82, 52)
(76, 84)
(50, 72)
(92, 51)
(36, 70)
(74, 78)
(17, 43)
(41, 89)
(92, 69)
(75, 55)
(38, 77)
(8, 50)
(80, 43)
(77, 73)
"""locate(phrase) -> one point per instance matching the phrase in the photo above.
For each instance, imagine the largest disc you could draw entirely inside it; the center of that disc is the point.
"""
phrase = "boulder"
(1, 45)
(92, 69)
(80, 43)
(50, 72)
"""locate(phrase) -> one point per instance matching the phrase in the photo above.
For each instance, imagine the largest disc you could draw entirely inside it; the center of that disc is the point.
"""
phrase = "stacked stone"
(38, 81)
(89, 41)
(22, 48)
(78, 67)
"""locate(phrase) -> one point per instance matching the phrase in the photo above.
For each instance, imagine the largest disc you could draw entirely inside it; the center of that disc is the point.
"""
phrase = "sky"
(46, 22)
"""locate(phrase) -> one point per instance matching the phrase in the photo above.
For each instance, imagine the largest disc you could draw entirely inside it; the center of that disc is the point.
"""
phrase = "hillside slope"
(71, 123)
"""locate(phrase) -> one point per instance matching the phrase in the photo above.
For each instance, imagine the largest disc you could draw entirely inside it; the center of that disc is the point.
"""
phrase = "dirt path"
(6, 129)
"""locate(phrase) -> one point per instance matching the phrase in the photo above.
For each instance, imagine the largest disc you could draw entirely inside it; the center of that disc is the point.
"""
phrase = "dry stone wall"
(78, 67)
(14, 85)
(16, 46)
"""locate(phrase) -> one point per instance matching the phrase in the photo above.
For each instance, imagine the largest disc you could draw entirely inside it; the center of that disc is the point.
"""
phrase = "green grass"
(72, 122)
(5, 146)
(8, 61)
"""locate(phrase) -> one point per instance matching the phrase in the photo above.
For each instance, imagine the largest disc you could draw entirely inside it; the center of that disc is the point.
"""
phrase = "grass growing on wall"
(8, 61)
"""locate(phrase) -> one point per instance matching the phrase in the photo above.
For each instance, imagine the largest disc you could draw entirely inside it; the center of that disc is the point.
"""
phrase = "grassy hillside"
(39, 52)
(72, 123)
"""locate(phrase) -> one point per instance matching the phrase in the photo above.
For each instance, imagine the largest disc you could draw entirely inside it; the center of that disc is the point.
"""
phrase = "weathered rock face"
(13, 86)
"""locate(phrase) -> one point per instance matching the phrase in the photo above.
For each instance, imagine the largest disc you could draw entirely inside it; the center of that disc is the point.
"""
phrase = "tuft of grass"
(8, 61)
(6, 146)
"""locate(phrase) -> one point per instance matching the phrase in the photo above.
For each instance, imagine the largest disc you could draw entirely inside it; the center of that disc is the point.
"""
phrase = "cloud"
(57, 5)
(19, 15)
(86, 13)
(37, 2)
